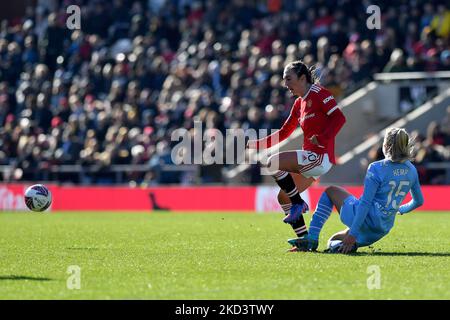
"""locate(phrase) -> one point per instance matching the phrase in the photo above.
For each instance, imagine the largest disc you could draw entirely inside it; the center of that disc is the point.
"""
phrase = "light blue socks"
(322, 213)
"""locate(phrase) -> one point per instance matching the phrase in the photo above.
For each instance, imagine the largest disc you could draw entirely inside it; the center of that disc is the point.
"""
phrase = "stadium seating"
(110, 94)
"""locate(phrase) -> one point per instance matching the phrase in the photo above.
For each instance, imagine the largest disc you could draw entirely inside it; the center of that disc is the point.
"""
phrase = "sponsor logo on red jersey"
(326, 100)
(308, 116)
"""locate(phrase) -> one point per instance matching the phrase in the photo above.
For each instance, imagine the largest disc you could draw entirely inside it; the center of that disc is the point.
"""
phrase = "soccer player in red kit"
(317, 113)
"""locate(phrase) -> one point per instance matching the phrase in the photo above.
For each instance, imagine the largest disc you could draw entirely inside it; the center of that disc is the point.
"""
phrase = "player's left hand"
(348, 243)
(315, 141)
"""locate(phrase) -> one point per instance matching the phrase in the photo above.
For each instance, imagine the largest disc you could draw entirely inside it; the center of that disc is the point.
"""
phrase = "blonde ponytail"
(397, 145)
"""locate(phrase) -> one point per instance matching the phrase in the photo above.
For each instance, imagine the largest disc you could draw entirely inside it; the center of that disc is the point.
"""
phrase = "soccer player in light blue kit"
(371, 217)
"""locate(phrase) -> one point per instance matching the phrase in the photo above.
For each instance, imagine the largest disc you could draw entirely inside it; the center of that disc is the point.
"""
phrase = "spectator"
(441, 22)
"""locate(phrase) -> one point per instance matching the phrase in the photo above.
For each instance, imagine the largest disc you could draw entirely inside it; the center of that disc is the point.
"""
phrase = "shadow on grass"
(82, 248)
(16, 277)
(395, 254)
(405, 254)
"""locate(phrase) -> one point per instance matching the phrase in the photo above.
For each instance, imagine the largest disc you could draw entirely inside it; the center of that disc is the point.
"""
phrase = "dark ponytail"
(300, 68)
(313, 74)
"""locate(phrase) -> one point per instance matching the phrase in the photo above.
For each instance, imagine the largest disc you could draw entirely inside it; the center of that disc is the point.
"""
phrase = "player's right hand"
(347, 243)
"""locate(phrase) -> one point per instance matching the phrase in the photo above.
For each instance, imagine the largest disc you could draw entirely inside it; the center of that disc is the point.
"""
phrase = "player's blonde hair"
(397, 145)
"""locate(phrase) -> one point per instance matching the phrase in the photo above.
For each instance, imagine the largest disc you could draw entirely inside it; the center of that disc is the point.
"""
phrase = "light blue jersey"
(385, 187)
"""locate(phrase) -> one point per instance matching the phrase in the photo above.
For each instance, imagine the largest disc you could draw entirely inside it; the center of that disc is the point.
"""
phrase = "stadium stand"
(106, 98)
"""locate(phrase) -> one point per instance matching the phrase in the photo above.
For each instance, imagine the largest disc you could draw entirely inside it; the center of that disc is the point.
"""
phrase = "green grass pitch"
(213, 256)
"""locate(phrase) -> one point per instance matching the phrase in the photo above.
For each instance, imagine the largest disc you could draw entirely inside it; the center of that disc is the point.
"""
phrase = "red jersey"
(318, 114)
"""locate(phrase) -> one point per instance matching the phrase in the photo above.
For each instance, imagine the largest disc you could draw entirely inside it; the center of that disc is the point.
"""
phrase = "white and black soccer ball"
(38, 198)
(334, 246)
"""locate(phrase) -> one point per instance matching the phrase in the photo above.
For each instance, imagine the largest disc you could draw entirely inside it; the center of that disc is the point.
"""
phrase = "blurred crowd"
(431, 148)
(113, 91)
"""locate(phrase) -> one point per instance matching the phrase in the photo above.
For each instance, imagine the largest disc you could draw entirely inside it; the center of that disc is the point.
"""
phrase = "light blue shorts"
(348, 212)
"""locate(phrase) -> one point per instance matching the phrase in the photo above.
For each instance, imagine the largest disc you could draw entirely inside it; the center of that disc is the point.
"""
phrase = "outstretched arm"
(285, 131)
(417, 199)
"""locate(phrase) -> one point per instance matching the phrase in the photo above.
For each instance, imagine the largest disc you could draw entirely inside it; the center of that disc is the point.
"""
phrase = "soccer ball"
(38, 198)
(333, 246)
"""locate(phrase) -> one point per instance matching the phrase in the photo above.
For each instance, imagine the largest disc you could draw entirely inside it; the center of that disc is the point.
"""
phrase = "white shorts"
(314, 165)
